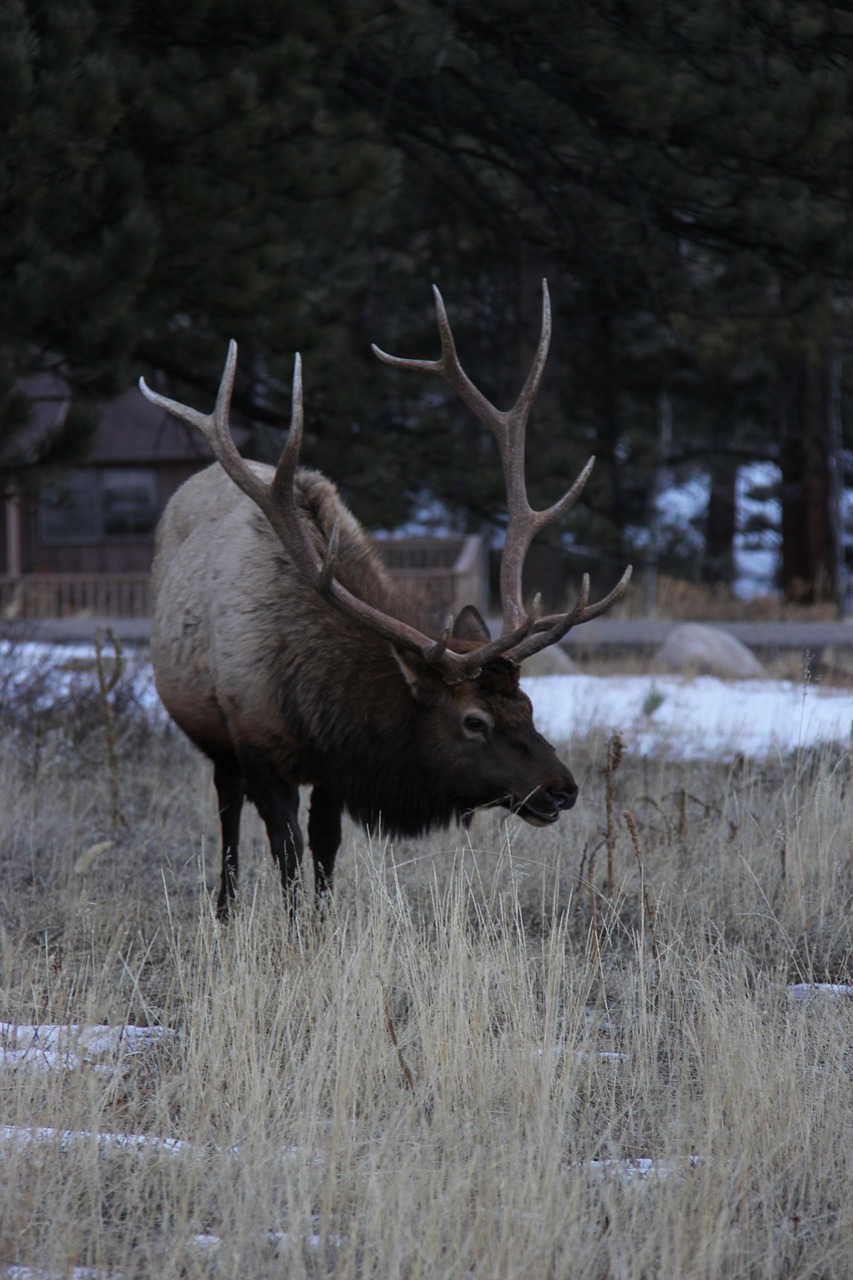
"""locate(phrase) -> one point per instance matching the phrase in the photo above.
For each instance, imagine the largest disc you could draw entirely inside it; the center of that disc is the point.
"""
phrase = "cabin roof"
(130, 431)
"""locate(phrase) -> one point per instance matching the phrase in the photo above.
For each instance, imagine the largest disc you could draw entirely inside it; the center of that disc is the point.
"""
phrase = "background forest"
(295, 176)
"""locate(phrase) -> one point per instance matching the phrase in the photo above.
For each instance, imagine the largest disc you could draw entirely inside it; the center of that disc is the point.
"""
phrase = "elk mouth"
(540, 809)
(536, 814)
(544, 806)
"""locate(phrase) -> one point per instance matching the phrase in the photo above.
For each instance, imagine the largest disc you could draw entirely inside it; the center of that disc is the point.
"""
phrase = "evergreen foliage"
(683, 172)
(167, 176)
(294, 177)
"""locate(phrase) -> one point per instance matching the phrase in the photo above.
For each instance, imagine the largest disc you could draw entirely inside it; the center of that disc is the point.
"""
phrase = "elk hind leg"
(277, 801)
(230, 792)
(324, 837)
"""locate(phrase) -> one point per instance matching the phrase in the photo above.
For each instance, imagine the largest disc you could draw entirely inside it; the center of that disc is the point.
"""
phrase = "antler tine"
(601, 606)
(204, 422)
(569, 498)
(328, 569)
(509, 429)
(466, 666)
(289, 458)
(447, 367)
(534, 377)
(215, 427)
(440, 647)
(550, 630)
(221, 418)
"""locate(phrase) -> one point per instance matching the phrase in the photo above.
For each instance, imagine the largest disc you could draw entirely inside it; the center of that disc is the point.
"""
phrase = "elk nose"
(564, 797)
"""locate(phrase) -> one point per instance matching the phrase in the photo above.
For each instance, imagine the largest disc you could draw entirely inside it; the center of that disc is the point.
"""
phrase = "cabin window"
(90, 506)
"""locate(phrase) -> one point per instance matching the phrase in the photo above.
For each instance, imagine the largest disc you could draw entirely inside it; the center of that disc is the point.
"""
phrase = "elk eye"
(476, 724)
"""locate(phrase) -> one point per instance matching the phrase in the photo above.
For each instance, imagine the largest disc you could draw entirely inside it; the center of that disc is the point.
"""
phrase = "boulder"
(696, 649)
(553, 661)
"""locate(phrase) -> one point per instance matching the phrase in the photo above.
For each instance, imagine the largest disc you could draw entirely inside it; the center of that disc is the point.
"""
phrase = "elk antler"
(523, 633)
(277, 500)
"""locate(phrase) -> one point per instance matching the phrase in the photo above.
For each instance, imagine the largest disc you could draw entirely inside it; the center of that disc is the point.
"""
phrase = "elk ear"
(419, 676)
(471, 626)
(411, 669)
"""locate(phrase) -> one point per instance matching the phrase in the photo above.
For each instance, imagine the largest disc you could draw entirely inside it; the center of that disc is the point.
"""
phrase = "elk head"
(479, 737)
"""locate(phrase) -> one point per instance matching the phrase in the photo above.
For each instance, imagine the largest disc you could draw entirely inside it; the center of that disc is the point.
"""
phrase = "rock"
(553, 661)
(696, 649)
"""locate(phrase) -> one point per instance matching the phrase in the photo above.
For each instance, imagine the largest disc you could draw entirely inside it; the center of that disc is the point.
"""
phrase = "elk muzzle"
(546, 804)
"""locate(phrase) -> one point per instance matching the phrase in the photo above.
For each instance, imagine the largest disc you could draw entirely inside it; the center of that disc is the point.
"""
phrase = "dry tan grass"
(432, 1082)
(690, 601)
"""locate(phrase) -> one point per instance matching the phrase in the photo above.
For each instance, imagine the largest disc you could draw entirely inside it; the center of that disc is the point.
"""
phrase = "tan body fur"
(234, 623)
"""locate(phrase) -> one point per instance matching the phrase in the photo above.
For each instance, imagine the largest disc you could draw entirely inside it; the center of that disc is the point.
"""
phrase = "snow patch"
(692, 717)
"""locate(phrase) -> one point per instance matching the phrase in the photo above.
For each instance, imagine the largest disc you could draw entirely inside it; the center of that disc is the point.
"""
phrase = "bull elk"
(280, 647)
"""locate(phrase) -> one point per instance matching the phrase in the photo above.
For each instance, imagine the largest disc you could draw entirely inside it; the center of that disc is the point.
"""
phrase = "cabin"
(83, 547)
(86, 542)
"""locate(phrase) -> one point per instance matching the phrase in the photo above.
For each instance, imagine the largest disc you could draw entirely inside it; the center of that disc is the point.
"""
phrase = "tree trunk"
(809, 559)
(718, 558)
(609, 464)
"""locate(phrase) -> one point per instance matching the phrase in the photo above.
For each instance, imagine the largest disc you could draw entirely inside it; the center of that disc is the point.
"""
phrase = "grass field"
(508, 1053)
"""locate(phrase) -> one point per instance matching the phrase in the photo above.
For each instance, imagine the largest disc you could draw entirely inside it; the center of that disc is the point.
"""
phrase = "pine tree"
(683, 172)
(167, 173)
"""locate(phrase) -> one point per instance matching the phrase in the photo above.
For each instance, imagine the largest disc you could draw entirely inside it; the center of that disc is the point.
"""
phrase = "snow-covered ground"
(686, 717)
(690, 717)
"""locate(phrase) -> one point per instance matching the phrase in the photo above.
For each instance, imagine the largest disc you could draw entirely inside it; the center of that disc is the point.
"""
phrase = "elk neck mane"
(352, 702)
(384, 779)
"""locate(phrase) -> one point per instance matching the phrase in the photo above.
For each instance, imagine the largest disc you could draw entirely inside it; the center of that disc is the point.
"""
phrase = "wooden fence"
(65, 595)
(442, 574)
(438, 575)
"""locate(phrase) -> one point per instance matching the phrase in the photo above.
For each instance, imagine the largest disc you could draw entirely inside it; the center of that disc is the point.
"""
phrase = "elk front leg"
(324, 838)
(277, 801)
(230, 792)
